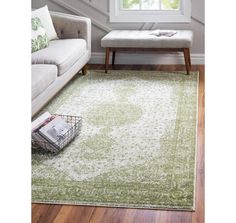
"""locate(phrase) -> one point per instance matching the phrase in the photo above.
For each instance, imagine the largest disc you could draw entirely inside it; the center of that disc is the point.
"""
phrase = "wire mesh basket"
(42, 144)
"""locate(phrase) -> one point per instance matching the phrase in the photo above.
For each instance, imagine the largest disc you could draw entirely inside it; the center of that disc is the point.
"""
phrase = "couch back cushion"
(46, 20)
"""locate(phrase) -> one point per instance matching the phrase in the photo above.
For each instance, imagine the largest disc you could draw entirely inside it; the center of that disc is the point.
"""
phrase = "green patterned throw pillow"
(39, 38)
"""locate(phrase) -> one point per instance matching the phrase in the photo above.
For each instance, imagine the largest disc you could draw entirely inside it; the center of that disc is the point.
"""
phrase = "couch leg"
(84, 69)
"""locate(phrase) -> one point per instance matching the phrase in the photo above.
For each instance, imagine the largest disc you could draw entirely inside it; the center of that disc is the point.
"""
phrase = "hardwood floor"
(42, 213)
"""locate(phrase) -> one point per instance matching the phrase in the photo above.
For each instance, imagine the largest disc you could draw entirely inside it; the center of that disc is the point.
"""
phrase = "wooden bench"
(142, 40)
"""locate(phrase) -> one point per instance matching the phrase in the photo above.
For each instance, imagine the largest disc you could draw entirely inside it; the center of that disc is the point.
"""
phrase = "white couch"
(54, 66)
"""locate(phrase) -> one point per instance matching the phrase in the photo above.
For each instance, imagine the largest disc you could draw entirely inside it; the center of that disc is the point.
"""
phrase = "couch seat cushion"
(42, 75)
(62, 53)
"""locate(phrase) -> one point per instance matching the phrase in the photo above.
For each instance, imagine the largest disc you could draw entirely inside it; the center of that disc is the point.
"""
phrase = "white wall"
(98, 11)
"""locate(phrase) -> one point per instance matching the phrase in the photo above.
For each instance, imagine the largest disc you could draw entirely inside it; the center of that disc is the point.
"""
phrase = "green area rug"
(137, 144)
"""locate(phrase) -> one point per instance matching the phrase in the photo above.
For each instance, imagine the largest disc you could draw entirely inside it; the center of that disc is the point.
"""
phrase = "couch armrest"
(71, 26)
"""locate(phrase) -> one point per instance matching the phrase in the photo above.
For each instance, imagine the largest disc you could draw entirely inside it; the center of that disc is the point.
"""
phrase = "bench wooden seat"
(142, 40)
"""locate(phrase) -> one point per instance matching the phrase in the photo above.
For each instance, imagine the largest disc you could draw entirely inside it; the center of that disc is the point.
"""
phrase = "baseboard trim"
(150, 58)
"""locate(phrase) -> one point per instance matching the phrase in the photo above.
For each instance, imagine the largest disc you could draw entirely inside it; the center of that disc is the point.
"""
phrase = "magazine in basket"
(51, 132)
(55, 130)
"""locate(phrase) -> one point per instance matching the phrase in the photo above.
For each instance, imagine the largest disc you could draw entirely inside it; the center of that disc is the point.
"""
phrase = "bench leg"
(187, 59)
(113, 58)
(107, 59)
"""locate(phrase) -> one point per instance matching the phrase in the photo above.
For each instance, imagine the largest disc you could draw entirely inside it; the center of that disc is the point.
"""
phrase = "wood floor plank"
(98, 214)
(37, 211)
(180, 217)
(43, 213)
(65, 215)
(81, 214)
(141, 216)
(107, 215)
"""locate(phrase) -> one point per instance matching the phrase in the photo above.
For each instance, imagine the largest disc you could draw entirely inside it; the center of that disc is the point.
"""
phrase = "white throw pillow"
(44, 15)
(39, 38)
